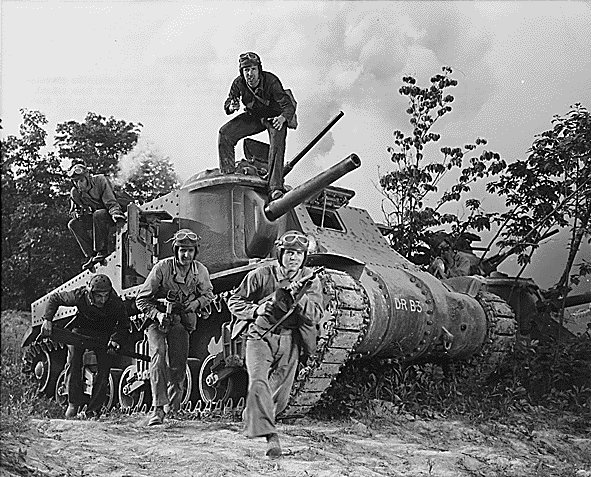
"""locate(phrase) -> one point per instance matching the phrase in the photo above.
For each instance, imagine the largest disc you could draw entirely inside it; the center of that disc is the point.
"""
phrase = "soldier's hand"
(193, 306)
(46, 328)
(278, 122)
(265, 309)
(295, 287)
(234, 106)
(75, 214)
(112, 347)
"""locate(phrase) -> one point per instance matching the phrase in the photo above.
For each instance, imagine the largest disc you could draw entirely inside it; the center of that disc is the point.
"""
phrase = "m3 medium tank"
(376, 303)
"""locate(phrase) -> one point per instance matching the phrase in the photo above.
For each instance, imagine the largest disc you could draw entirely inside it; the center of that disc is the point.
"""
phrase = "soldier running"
(100, 314)
(272, 357)
(168, 333)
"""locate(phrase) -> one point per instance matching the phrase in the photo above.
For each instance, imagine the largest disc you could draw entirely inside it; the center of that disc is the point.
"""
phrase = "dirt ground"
(383, 445)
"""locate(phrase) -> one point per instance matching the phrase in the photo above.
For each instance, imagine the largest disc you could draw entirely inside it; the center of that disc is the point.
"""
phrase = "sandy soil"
(382, 445)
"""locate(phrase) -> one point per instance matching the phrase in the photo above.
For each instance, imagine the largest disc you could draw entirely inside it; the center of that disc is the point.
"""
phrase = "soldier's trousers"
(271, 363)
(169, 353)
(99, 222)
(74, 381)
(245, 125)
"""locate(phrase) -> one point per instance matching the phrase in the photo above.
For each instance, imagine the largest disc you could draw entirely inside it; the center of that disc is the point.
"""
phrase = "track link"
(346, 315)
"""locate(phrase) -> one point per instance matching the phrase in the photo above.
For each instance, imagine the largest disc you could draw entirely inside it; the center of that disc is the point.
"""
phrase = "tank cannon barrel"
(294, 197)
(290, 165)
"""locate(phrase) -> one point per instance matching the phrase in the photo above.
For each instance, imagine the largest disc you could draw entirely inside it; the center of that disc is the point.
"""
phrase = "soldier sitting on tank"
(272, 360)
(101, 314)
(449, 262)
(93, 206)
(183, 277)
(267, 106)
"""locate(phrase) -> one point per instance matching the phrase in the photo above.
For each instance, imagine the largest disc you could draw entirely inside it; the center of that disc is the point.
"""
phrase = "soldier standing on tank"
(267, 106)
(272, 360)
(93, 205)
(168, 333)
(100, 314)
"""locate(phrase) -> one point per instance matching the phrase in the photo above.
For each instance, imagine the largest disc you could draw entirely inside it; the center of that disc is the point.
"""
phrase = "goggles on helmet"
(249, 56)
(291, 239)
(77, 170)
(181, 235)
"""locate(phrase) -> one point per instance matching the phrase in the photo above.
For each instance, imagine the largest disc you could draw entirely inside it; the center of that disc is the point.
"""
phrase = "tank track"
(344, 324)
(36, 352)
(500, 334)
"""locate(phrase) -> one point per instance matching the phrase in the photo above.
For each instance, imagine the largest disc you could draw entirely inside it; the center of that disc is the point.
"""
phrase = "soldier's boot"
(89, 264)
(72, 411)
(157, 417)
(273, 446)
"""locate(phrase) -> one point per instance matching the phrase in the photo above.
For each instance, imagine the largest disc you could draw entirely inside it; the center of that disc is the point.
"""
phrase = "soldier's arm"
(233, 96)
(243, 300)
(205, 287)
(122, 326)
(108, 195)
(57, 299)
(310, 306)
(146, 297)
(281, 97)
(460, 268)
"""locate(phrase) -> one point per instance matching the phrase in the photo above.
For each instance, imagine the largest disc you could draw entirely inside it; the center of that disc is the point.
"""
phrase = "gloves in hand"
(46, 328)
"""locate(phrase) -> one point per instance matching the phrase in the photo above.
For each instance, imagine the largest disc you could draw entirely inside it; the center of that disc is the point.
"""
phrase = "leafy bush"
(554, 376)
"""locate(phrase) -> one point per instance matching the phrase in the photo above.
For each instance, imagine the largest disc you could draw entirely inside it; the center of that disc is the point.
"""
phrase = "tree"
(99, 141)
(151, 177)
(414, 182)
(552, 187)
(36, 249)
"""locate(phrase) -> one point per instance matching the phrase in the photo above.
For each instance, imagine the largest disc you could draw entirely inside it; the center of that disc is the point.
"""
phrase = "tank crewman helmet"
(249, 59)
(293, 240)
(100, 283)
(185, 238)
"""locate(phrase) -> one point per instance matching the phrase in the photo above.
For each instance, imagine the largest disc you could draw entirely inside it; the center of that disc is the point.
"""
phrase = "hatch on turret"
(323, 207)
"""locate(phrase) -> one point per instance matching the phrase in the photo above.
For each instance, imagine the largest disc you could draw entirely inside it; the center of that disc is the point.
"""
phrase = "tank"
(376, 303)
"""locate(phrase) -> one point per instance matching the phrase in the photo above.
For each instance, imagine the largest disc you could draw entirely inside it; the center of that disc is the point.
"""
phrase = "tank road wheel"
(113, 390)
(46, 361)
(234, 386)
(131, 392)
(61, 394)
(191, 394)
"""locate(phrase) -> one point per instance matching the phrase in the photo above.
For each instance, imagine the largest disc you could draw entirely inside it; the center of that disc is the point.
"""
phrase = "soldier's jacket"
(460, 265)
(109, 322)
(99, 196)
(262, 282)
(166, 276)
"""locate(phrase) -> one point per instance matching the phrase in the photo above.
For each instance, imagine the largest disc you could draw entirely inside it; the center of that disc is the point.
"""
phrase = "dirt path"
(123, 446)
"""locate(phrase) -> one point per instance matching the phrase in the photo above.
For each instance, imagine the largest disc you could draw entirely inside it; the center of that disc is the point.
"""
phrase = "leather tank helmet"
(99, 284)
(249, 59)
(185, 238)
(292, 240)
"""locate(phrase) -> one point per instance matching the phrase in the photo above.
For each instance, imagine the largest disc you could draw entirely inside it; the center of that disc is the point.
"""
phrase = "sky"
(169, 66)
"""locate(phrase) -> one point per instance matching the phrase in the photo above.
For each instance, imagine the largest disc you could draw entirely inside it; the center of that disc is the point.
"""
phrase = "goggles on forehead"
(184, 235)
(290, 239)
(77, 170)
(249, 56)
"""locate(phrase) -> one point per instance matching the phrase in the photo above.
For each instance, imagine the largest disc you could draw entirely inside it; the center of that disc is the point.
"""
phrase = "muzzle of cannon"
(296, 196)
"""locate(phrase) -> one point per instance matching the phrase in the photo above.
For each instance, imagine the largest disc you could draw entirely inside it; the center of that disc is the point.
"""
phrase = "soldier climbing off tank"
(267, 106)
(272, 356)
(100, 314)
(93, 206)
(182, 282)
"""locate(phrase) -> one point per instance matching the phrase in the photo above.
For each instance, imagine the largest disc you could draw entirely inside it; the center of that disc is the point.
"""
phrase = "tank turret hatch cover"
(331, 198)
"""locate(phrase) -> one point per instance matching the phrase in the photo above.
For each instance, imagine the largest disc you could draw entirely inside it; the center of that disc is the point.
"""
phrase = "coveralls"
(168, 379)
(101, 203)
(272, 361)
(254, 120)
(109, 322)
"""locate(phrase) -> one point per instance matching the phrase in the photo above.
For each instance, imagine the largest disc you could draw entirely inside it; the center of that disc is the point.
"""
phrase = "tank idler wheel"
(61, 394)
(47, 365)
(212, 391)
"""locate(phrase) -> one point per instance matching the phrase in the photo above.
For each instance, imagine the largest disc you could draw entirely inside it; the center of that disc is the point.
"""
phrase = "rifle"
(305, 283)
(83, 341)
